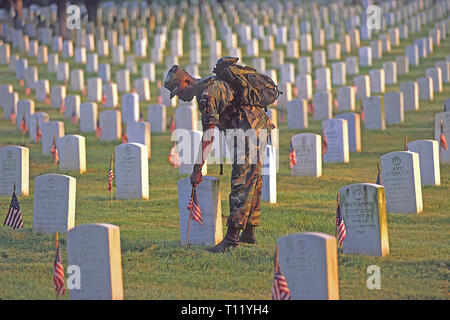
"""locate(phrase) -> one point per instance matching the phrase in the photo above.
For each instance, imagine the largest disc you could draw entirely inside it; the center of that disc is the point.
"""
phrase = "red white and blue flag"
(341, 231)
(280, 289)
(443, 140)
(194, 207)
(111, 174)
(292, 156)
(14, 217)
(58, 273)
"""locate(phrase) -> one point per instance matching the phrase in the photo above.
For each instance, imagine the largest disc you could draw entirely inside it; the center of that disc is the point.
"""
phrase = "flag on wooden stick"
(23, 125)
(292, 155)
(341, 231)
(124, 136)
(442, 138)
(54, 150)
(406, 143)
(194, 207)
(13, 117)
(280, 289)
(62, 108)
(74, 118)
(38, 131)
(324, 142)
(111, 174)
(58, 272)
(14, 217)
(98, 130)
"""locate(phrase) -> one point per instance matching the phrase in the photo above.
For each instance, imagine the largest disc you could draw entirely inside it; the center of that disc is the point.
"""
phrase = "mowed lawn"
(157, 266)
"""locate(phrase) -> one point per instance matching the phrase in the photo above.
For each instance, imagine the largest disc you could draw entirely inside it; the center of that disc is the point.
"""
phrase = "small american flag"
(311, 108)
(363, 116)
(194, 207)
(27, 91)
(23, 125)
(58, 273)
(111, 174)
(124, 137)
(341, 231)
(98, 130)
(74, 118)
(47, 99)
(292, 156)
(13, 118)
(379, 180)
(324, 142)
(38, 131)
(14, 217)
(443, 140)
(62, 108)
(172, 125)
(104, 99)
(54, 150)
(21, 82)
(280, 289)
(174, 157)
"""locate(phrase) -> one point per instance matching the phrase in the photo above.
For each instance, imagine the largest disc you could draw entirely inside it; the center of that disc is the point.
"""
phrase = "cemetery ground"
(157, 266)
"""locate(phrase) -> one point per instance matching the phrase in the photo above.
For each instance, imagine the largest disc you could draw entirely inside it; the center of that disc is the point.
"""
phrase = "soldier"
(218, 105)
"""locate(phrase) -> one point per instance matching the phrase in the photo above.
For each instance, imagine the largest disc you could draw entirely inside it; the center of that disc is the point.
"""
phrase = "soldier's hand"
(196, 177)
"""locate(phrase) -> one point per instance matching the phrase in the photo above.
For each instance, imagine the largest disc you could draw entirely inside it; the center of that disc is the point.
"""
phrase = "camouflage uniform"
(215, 98)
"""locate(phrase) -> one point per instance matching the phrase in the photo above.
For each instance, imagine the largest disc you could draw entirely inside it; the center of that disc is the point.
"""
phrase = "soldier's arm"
(207, 140)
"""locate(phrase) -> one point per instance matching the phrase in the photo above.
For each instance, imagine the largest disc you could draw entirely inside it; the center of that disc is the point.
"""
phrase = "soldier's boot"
(231, 240)
(248, 235)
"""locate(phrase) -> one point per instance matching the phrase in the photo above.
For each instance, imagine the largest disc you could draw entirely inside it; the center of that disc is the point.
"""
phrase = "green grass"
(157, 266)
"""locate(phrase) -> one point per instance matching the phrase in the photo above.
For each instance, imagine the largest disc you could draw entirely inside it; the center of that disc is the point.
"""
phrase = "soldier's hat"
(173, 80)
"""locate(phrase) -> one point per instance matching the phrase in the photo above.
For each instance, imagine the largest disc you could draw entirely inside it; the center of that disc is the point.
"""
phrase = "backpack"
(251, 87)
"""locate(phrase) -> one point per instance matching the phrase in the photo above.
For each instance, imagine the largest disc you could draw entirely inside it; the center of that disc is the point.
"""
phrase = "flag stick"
(276, 259)
(189, 220)
(13, 235)
(57, 295)
(335, 222)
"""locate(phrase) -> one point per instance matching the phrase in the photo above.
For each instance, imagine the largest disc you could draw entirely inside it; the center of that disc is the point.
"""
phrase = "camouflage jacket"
(215, 101)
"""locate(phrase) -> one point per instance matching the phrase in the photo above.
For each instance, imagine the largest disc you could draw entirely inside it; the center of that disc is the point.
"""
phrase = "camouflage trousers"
(246, 181)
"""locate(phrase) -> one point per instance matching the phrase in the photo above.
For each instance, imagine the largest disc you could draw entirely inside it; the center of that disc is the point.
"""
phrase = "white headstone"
(88, 117)
(336, 132)
(297, 114)
(139, 132)
(54, 203)
(394, 107)
(363, 208)
(428, 151)
(14, 169)
(111, 124)
(210, 231)
(323, 105)
(309, 264)
(308, 150)
(95, 249)
(131, 171)
(401, 178)
(410, 92)
(374, 113)
(50, 130)
(156, 116)
(354, 130)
